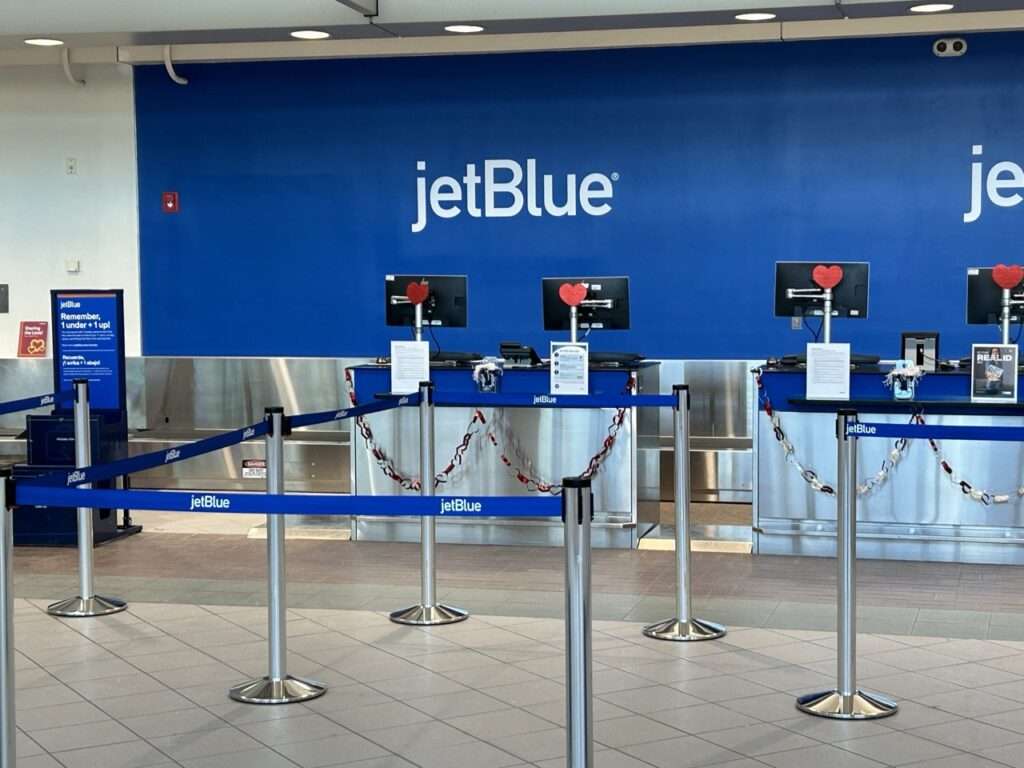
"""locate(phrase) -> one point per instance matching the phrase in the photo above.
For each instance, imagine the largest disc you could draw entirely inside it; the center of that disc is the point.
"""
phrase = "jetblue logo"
(172, 455)
(209, 501)
(860, 429)
(544, 400)
(505, 189)
(75, 477)
(48, 400)
(340, 415)
(1002, 185)
(460, 505)
(403, 401)
(249, 433)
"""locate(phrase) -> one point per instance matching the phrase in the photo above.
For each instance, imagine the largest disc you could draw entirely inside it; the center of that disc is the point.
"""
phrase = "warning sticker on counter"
(254, 469)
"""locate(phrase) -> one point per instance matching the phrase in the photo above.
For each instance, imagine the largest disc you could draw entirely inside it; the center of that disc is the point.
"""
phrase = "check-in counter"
(916, 512)
(544, 443)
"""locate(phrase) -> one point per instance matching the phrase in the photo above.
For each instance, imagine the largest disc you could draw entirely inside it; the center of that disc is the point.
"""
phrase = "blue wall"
(297, 185)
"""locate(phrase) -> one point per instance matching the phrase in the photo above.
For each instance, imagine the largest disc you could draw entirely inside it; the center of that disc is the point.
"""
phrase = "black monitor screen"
(849, 297)
(445, 304)
(985, 299)
(605, 306)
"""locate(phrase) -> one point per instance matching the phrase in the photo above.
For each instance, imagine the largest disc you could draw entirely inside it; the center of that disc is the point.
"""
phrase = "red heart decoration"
(572, 294)
(417, 293)
(827, 277)
(1006, 277)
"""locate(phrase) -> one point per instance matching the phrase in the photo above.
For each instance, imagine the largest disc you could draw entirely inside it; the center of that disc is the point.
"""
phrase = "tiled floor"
(929, 599)
(147, 688)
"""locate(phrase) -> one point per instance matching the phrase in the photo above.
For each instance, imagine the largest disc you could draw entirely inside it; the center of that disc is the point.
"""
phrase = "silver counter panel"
(174, 400)
(555, 443)
(917, 515)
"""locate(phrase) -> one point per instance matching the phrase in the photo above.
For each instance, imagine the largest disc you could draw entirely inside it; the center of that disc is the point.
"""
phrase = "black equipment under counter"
(51, 447)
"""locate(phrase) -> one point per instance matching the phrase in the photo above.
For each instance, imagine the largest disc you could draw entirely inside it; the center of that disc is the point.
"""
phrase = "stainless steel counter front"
(918, 514)
(174, 400)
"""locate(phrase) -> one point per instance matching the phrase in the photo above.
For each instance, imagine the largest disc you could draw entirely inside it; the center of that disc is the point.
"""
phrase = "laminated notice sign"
(410, 365)
(828, 371)
(254, 469)
(994, 373)
(570, 368)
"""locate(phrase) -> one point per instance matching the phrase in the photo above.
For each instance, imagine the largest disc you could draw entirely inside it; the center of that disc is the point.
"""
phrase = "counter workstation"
(545, 444)
(914, 511)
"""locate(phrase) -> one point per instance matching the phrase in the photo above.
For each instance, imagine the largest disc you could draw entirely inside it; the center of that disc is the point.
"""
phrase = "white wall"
(47, 216)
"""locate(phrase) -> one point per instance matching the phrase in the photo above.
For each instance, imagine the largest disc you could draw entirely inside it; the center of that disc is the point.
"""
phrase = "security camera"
(946, 47)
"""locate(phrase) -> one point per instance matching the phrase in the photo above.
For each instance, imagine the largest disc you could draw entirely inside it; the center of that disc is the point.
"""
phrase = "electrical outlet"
(71, 166)
(796, 323)
(72, 266)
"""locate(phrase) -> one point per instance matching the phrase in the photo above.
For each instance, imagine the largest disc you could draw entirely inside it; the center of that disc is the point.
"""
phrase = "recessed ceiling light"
(755, 16)
(310, 34)
(463, 29)
(931, 8)
(45, 42)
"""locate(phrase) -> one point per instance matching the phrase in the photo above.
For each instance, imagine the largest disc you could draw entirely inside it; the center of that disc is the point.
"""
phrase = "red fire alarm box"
(169, 202)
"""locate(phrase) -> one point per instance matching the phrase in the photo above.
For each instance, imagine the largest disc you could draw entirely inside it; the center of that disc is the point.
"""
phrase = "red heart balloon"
(827, 277)
(1007, 277)
(572, 294)
(417, 293)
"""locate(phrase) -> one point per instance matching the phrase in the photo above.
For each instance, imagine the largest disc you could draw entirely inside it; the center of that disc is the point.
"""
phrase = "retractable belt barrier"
(26, 494)
(100, 472)
(935, 432)
(39, 401)
(575, 506)
(324, 417)
(517, 400)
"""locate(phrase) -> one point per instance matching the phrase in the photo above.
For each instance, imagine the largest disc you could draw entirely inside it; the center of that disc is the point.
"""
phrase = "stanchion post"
(429, 612)
(278, 687)
(683, 627)
(8, 732)
(577, 513)
(846, 701)
(87, 603)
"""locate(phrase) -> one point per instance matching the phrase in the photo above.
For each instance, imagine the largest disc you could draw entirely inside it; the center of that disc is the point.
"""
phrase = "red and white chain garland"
(518, 463)
(893, 458)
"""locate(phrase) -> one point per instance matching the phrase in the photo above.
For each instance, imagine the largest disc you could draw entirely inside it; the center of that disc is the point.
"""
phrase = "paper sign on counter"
(570, 368)
(410, 365)
(828, 371)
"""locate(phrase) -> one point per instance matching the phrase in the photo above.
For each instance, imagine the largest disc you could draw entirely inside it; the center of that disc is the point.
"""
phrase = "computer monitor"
(985, 299)
(849, 297)
(445, 305)
(605, 308)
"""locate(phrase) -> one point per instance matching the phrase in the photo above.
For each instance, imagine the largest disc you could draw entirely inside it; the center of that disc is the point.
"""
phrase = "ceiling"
(388, 25)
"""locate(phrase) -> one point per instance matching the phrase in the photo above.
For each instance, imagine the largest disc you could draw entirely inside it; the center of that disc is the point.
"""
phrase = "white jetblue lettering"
(172, 455)
(1001, 176)
(860, 429)
(249, 433)
(48, 400)
(209, 501)
(544, 399)
(75, 477)
(460, 505)
(504, 190)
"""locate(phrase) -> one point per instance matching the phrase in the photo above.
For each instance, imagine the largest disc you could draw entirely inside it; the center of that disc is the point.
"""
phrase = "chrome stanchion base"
(685, 632)
(83, 608)
(288, 690)
(862, 705)
(429, 615)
